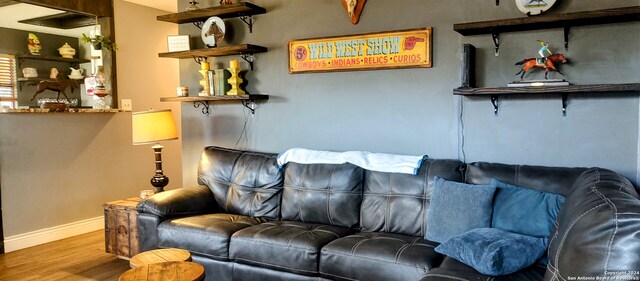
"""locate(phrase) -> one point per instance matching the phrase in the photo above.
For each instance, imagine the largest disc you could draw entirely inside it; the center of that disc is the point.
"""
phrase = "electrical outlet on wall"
(126, 104)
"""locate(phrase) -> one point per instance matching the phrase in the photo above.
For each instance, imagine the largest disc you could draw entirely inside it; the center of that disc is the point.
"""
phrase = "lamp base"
(159, 180)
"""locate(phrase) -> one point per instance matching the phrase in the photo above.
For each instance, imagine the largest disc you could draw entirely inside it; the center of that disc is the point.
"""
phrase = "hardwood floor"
(77, 258)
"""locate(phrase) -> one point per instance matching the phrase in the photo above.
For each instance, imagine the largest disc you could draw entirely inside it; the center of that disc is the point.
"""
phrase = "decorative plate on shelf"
(534, 7)
(213, 31)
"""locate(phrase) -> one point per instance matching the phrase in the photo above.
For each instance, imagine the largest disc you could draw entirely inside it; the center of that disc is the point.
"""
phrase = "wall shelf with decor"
(564, 91)
(56, 59)
(246, 101)
(566, 21)
(244, 11)
(246, 51)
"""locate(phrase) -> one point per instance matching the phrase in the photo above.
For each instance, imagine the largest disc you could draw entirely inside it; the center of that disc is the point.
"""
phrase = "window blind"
(7, 78)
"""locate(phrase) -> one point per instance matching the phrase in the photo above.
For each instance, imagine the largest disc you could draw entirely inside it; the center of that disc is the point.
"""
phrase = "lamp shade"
(153, 126)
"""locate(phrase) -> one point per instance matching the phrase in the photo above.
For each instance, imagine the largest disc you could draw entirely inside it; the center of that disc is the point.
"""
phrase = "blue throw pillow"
(494, 252)
(525, 211)
(456, 208)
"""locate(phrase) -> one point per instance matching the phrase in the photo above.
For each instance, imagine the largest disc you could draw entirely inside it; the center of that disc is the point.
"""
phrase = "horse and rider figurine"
(550, 62)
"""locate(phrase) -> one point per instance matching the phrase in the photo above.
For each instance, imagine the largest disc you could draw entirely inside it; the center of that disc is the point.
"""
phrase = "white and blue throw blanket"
(379, 162)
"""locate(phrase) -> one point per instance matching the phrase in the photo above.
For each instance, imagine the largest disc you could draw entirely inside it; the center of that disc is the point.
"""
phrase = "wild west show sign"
(397, 49)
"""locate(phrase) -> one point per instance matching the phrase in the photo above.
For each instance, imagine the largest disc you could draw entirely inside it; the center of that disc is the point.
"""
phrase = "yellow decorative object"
(235, 81)
(204, 71)
(34, 44)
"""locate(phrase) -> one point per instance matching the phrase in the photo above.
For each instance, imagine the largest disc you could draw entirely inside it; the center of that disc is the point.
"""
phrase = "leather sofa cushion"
(378, 256)
(242, 182)
(284, 245)
(453, 270)
(322, 193)
(398, 203)
(207, 235)
(546, 179)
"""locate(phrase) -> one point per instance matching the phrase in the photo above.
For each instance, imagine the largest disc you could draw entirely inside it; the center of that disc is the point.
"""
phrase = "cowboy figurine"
(544, 47)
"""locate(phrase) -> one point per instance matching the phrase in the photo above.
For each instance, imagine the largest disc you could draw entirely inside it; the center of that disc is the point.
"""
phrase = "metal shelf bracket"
(496, 42)
(198, 24)
(494, 102)
(250, 104)
(250, 58)
(199, 59)
(205, 107)
(249, 21)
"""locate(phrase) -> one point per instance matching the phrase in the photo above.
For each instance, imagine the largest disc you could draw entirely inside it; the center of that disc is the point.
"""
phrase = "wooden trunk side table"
(121, 227)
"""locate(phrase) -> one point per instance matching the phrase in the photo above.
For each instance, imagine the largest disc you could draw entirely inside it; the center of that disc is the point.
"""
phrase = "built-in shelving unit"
(566, 21)
(246, 100)
(57, 59)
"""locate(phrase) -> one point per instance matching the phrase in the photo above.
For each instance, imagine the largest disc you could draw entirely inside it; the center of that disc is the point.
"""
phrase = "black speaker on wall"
(468, 66)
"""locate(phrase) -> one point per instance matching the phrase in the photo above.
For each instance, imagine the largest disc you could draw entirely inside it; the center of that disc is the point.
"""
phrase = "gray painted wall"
(413, 111)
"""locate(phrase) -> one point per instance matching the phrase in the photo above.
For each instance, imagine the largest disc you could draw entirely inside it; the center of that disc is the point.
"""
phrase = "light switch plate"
(126, 104)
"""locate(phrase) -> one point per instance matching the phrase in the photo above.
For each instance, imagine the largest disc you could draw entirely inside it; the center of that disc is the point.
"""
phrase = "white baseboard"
(46, 235)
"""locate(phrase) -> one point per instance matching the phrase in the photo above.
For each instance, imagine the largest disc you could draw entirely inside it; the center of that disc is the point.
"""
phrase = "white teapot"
(76, 73)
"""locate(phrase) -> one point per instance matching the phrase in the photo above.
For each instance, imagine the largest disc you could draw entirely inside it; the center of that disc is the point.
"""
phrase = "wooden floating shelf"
(215, 98)
(36, 79)
(571, 89)
(547, 21)
(495, 93)
(226, 11)
(58, 59)
(216, 52)
(246, 100)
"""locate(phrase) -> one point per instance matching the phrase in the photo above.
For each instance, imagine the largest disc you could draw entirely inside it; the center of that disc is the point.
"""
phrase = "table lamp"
(152, 127)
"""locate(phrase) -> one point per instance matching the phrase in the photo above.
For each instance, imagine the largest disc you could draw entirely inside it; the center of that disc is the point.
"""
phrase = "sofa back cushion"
(242, 182)
(322, 193)
(546, 179)
(399, 203)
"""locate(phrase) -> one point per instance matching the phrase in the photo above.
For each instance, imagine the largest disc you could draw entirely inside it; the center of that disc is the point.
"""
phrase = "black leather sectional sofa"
(251, 220)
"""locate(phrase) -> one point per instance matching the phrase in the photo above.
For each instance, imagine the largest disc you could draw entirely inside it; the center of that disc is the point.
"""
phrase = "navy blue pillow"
(456, 208)
(525, 211)
(494, 252)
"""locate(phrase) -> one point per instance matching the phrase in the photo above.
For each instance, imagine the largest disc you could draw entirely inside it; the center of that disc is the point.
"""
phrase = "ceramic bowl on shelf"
(76, 77)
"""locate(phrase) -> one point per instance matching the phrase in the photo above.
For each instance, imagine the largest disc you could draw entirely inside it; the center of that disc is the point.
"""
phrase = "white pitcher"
(76, 72)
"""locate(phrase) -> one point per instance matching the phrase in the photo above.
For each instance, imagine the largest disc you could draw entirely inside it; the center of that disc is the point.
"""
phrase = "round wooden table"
(159, 255)
(165, 271)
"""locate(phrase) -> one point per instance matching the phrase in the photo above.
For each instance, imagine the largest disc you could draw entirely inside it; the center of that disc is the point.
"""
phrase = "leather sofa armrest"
(179, 202)
(597, 230)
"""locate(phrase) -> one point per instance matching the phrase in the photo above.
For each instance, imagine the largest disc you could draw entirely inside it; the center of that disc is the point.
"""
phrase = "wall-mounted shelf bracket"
(199, 59)
(564, 105)
(494, 102)
(496, 42)
(205, 107)
(198, 24)
(250, 58)
(250, 104)
(249, 21)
